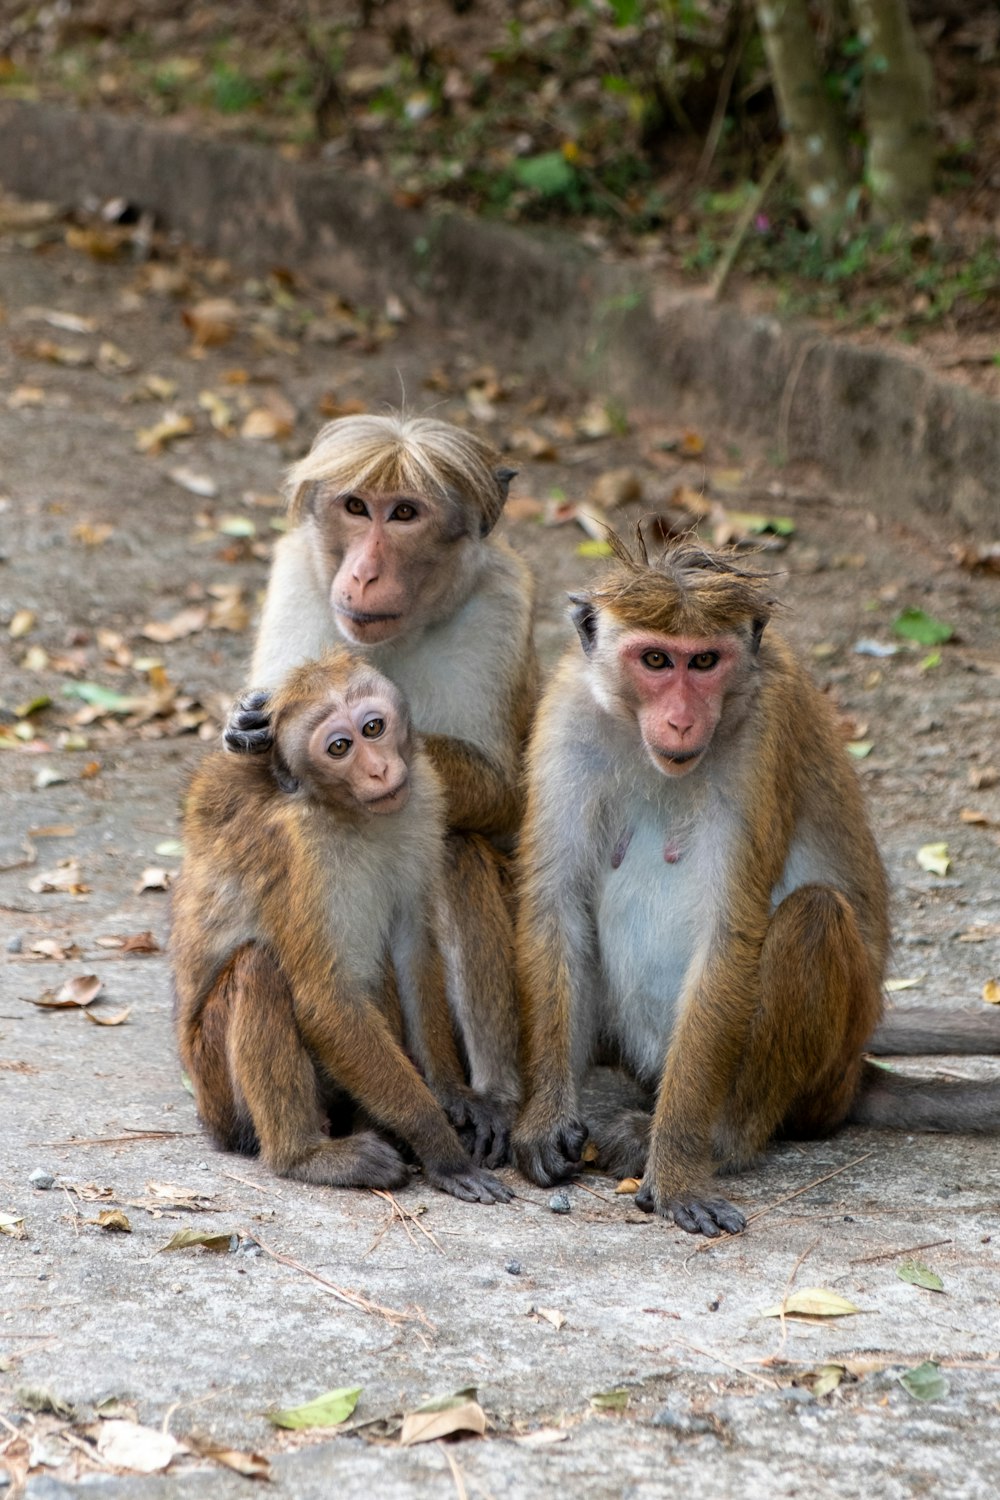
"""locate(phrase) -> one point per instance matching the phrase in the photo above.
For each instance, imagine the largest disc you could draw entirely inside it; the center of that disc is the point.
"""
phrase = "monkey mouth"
(680, 758)
(390, 801)
(360, 617)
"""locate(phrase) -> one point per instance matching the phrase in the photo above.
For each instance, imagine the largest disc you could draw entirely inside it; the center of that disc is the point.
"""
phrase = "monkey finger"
(471, 1186)
(708, 1216)
(547, 1161)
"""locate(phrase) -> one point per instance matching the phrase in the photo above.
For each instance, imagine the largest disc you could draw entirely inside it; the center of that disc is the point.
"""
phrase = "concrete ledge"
(872, 425)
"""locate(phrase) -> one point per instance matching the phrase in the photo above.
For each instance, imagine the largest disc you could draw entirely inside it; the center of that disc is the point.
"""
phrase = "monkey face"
(357, 754)
(388, 571)
(678, 685)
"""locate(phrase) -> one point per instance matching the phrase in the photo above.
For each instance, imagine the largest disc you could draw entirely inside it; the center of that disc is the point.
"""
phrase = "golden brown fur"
(303, 945)
(714, 918)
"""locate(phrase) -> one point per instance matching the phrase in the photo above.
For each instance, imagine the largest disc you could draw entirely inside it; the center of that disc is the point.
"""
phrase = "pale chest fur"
(659, 895)
(660, 898)
(387, 872)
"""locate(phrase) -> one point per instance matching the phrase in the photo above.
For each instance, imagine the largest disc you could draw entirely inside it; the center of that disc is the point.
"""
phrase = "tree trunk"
(817, 150)
(898, 111)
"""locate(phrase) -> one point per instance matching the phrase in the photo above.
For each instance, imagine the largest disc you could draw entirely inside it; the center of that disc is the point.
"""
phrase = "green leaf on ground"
(920, 1275)
(925, 1382)
(914, 625)
(328, 1410)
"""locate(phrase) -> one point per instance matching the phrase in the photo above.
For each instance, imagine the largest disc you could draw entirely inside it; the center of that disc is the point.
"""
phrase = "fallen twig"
(342, 1294)
(864, 1260)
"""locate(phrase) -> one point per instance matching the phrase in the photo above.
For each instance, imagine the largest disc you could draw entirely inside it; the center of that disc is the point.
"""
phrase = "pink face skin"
(679, 685)
(391, 543)
(357, 753)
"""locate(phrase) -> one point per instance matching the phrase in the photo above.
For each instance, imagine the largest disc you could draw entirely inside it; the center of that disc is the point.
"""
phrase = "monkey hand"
(709, 1216)
(248, 728)
(550, 1156)
(467, 1182)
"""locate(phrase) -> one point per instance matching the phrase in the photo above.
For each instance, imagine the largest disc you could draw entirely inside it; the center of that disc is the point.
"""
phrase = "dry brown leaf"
(426, 1426)
(533, 444)
(154, 879)
(111, 360)
(991, 992)
(65, 879)
(195, 484)
(628, 1185)
(173, 424)
(211, 322)
(92, 533)
(111, 1018)
(595, 422)
(75, 994)
(695, 502)
(220, 413)
(99, 242)
(614, 488)
(188, 622)
(542, 1437)
(22, 621)
(273, 420)
(982, 933)
(137, 942)
(691, 444)
(26, 395)
(229, 612)
(50, 948)
(250, 1465)
(551, 1315)
(982, 778)
(113, 1220)
(137, 1450)
(974, 816)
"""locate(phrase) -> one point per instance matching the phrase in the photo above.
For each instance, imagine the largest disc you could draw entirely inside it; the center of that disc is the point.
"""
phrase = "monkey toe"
(551, 1159)
(470, 1185)
(708, 1216)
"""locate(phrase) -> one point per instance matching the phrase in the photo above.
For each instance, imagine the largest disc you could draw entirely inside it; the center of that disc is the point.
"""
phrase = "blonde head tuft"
(400, 454)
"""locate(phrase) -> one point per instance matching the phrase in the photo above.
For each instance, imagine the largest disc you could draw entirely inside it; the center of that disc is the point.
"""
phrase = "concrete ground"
(540, 1312)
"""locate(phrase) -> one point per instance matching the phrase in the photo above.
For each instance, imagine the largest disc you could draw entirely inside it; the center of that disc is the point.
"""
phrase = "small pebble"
(513, 1268)
(15, 944)
(42, 1180)
(559, 1203)
(43, 1275)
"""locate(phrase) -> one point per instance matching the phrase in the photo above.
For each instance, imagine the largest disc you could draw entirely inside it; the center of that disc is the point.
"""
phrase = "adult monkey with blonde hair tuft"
(392, 550)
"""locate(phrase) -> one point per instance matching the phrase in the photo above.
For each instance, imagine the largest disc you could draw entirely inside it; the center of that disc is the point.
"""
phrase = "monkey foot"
(471, 1184)
(551, 1158)
(708, 1216)
(360, 1160)
(248, 728)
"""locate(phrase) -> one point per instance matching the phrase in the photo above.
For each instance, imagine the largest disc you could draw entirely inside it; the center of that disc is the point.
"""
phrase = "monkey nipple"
(672, 851)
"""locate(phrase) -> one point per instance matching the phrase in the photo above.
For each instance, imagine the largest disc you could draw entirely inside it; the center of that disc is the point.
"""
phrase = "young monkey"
(701, 897)
(306, 969)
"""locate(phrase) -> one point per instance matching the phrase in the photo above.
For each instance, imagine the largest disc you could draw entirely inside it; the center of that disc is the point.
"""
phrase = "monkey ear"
(584, 617)
(503, 478)
(756, 631)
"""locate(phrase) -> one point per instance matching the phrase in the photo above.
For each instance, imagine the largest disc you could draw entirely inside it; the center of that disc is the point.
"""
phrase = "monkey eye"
(372, 728)
(339, 746)
(404, 511)
(656, 660)
(355, 506)
(704, 661)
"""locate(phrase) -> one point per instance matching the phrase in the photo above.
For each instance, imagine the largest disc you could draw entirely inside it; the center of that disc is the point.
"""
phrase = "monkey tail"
(920, 1031)
(925, 1104)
